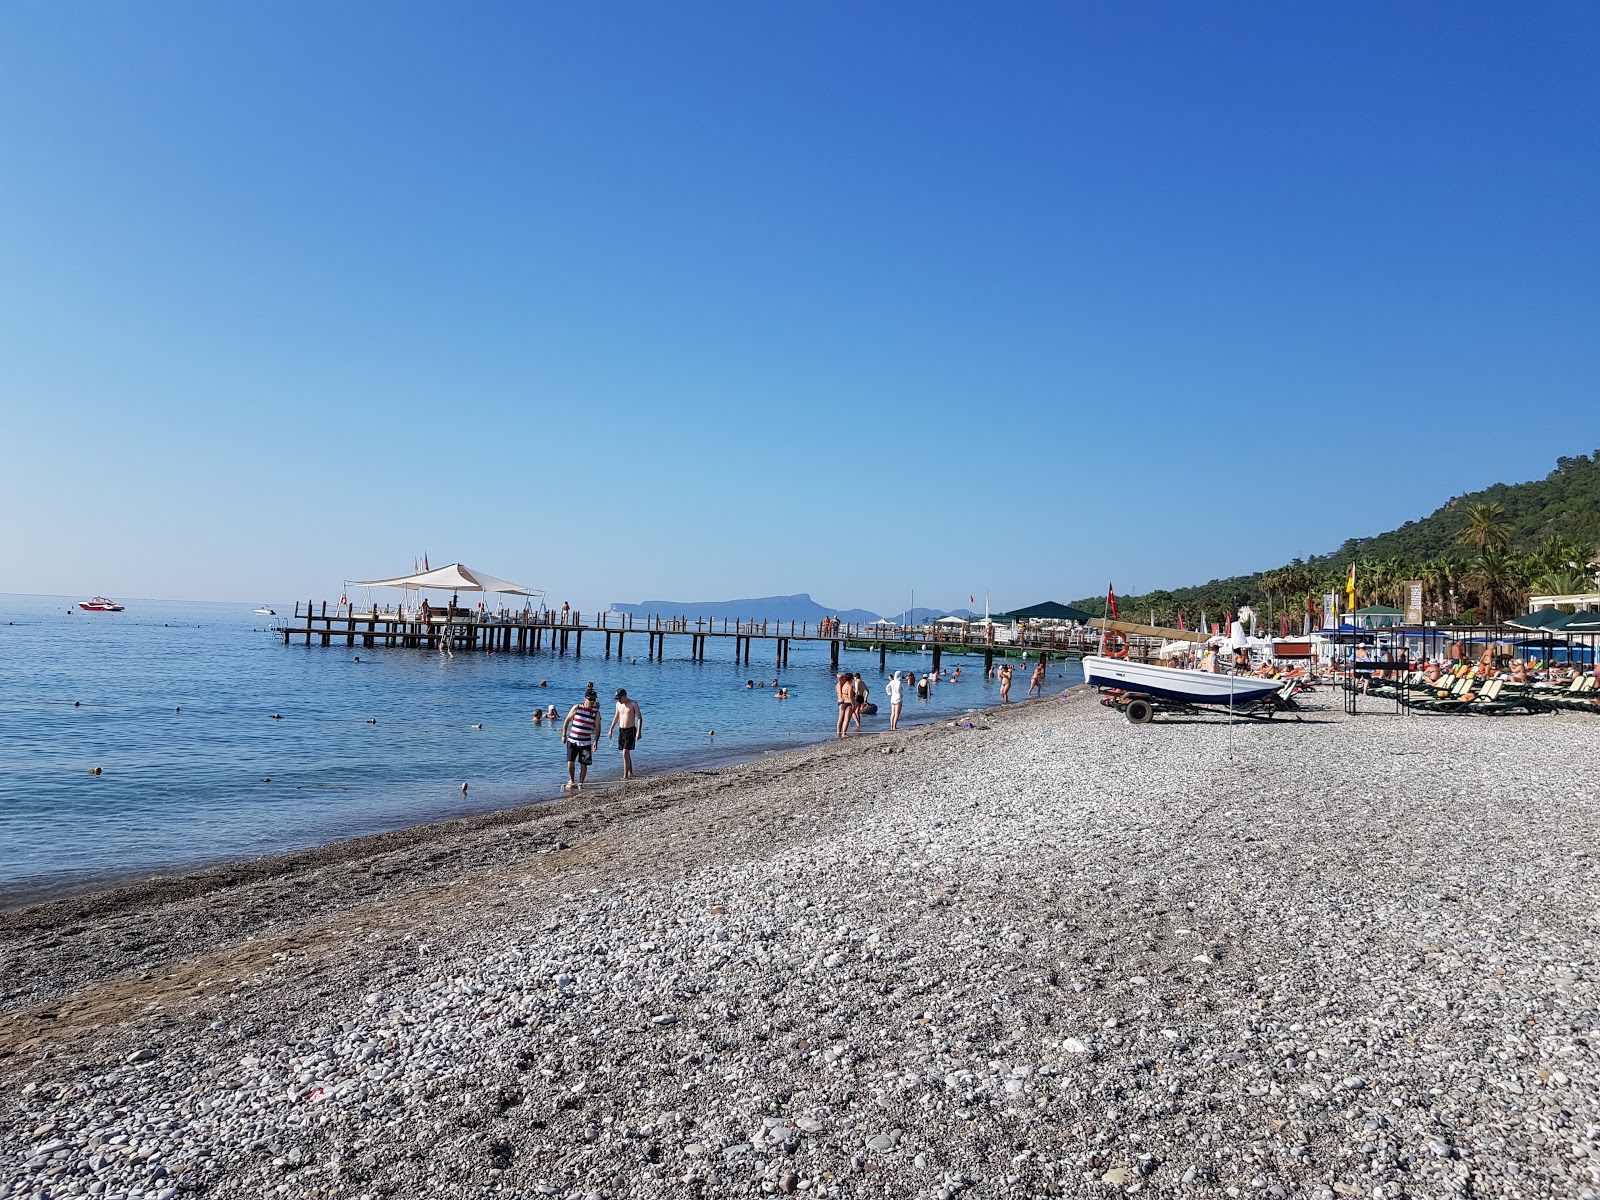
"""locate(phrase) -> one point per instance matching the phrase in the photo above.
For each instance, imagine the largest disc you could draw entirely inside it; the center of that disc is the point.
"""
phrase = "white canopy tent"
(952, 621)
(452, 578)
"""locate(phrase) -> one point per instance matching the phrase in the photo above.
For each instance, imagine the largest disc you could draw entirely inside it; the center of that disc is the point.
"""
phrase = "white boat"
(99, 604)
(1178, 684)
(264, 611)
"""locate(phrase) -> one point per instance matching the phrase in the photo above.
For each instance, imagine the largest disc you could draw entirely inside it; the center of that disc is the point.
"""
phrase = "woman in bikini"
(845, 692)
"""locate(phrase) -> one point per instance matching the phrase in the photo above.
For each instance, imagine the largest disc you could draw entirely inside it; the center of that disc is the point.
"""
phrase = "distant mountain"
(926, 616)
(780, 608)
(760, 608)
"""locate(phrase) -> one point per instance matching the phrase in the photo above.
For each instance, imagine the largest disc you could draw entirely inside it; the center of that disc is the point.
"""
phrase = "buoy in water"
(479, 725)
(277, 716)
(77, 704)
(267, 779)
(463, 789)
(94, 770)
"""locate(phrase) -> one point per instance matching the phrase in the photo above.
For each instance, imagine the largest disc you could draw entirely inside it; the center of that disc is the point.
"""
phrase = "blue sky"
(708, 300)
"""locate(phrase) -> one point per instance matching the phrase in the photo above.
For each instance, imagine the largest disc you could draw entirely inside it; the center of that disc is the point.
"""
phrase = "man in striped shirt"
(580, 731)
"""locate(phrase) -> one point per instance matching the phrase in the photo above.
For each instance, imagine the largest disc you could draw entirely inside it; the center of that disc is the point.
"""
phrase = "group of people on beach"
(854, 697)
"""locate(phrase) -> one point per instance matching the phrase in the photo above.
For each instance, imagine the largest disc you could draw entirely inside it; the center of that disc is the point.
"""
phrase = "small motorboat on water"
(99, 604)
(264, 611)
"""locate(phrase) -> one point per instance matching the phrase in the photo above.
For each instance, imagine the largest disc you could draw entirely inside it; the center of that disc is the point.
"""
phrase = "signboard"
(1330, 610)
(1414, 602)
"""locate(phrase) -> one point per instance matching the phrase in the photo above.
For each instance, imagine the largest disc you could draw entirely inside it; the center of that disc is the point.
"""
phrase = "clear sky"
(705, 300)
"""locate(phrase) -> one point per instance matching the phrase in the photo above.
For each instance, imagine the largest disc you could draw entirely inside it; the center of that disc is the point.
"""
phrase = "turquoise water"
(183, 788)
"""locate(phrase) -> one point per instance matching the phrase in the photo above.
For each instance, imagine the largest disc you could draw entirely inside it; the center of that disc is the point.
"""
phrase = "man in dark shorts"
(628, 724)
(580, 731)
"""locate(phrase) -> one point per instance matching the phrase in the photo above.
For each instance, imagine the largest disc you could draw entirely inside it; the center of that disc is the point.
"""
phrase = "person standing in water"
(580, 731)
(896, 691)
(860, 688)
(1036, 680)
(844, 688)
(628, 724)
(1005, 683)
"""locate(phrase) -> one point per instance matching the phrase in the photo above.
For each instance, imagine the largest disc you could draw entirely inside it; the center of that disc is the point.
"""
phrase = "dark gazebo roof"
(1049, 610)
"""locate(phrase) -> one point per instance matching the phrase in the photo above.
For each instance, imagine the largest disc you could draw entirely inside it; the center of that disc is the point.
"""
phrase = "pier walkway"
(529, 632)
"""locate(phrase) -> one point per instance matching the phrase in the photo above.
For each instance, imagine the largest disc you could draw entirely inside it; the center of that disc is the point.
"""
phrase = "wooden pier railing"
(526, 631)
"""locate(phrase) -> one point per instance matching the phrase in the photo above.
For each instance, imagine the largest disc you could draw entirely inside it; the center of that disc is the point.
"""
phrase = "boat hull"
(1176, 683)
(92, 606)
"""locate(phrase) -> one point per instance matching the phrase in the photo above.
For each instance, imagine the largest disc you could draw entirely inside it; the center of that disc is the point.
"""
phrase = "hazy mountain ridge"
(776, 608)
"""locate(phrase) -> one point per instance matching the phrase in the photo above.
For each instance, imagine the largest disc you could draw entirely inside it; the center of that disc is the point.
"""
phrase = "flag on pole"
(1350, 588)
(971, 599)
(425, 562)
(1180, 620)
(1111, 601)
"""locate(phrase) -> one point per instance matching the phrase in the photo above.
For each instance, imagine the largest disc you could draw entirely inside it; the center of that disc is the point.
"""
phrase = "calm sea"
(174, 701)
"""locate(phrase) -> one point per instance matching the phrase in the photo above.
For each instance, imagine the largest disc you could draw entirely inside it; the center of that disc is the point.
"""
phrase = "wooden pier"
(561, 633)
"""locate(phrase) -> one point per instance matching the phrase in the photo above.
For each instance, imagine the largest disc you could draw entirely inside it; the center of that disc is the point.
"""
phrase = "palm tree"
(1564, 583)
(1497, 578)
(1486, 527)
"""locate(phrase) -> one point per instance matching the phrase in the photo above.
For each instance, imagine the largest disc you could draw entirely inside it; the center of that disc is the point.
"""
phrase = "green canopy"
(1545, 620)
(1049, 610)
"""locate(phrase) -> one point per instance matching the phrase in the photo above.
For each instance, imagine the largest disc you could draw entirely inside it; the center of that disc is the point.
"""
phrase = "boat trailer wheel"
(1140, 712)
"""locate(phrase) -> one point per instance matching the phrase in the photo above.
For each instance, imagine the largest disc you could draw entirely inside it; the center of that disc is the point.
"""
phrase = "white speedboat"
(99, 604)
(264, 611)
(1178, 684)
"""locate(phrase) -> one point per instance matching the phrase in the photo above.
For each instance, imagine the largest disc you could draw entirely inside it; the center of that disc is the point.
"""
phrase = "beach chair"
(1579, 696)
(1484, 701)
(1441, 694)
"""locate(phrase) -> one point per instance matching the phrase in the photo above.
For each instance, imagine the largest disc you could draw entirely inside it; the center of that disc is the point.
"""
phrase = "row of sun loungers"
(1490, 697)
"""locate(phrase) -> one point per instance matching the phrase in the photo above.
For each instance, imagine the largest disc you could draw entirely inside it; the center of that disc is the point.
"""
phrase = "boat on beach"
(1181, 684)
(99, 604)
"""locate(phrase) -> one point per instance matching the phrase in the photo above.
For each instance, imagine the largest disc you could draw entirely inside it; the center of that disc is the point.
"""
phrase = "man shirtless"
(628, 724)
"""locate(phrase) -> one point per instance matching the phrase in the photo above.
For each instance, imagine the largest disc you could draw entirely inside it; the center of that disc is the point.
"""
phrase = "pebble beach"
(1031, 952)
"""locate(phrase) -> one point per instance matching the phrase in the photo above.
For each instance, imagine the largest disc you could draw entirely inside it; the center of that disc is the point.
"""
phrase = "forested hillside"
(1479, 557)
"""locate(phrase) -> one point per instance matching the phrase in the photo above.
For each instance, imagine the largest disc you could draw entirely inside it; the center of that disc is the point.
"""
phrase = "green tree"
(1498, 581)
(1486, 528)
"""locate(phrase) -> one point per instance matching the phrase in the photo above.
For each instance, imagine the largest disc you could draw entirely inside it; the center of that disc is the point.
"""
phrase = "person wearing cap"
(628, 724)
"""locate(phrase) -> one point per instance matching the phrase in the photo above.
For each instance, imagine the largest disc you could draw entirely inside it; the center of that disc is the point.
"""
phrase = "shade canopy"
(1049, 610)
(452, 578)
(1378, 610)
(952, 621)
(1547, 620)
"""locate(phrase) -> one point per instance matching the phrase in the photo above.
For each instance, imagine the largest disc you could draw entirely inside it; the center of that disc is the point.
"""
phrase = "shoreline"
(349, 872)
(1049, 954)
(36, 891)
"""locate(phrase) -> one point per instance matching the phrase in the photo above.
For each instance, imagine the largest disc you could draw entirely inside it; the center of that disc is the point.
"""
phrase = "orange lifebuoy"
(1117, 650)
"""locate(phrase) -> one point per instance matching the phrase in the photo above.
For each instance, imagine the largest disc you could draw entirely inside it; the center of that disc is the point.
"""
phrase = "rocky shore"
(1035, 952)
